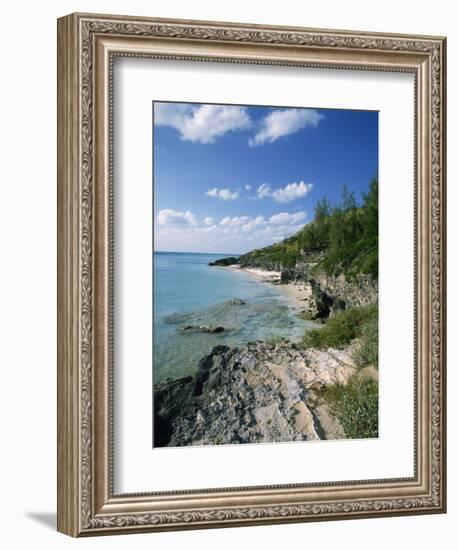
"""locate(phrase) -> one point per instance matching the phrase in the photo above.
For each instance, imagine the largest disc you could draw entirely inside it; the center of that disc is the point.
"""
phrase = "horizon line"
(187, 252)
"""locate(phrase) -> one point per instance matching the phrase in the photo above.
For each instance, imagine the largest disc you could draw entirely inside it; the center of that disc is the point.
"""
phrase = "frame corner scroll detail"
(87, 42)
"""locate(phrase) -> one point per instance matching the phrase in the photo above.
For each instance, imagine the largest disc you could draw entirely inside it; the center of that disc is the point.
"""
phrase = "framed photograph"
(251, 289)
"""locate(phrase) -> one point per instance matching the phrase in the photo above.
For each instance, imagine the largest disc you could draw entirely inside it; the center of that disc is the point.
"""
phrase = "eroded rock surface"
(256, 394)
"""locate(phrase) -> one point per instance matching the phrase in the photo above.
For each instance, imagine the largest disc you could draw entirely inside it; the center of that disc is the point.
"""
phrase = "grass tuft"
(367, 351)
(340, 330)
(356, 406)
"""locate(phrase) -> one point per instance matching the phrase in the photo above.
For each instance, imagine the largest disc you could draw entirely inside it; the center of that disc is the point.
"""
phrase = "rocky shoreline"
(317, 296)
(330, 294)
(260, 393)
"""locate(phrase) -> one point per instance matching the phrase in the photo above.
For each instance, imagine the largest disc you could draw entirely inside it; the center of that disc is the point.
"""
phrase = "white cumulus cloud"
(264, 191)
(237, 234)
(286, 218)
(175, 217)
(283, 122)
(224, 194)
(201, 123)
(290, 192)
(235, 221)
(253, 223)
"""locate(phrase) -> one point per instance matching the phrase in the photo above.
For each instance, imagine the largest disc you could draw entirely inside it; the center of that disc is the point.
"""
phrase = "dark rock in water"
(216, 330)
(232, 260)
(203, 328)
(237, 302)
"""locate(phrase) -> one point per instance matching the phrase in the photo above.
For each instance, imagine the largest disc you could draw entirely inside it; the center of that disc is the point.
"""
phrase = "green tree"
(348, 200)
(370, 209)
(322, 210)
(343, 238)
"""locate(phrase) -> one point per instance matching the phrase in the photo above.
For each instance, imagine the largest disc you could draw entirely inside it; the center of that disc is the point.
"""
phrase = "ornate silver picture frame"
(88, 44)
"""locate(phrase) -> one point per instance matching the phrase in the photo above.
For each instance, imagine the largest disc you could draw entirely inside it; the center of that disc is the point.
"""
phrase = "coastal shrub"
(367, 351)
(356, 406)
(342, 238)
(340, 330)
(366, 262)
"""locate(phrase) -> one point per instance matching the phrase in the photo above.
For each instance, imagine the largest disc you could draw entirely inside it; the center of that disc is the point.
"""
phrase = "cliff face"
(330, 294)
(335, 255)
(256, 394)
(361, 290)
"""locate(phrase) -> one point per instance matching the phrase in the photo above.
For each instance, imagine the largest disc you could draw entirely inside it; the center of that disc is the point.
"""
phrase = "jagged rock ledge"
(256, 394)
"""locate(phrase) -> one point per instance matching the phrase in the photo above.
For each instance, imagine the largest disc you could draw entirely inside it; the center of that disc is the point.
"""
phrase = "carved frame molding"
(87, 46)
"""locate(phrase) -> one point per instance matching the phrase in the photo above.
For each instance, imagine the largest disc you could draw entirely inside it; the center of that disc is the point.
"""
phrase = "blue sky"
(228, 178)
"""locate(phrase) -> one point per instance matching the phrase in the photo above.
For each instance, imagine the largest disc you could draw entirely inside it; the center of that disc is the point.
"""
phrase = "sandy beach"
(262, 274)
(298, 292)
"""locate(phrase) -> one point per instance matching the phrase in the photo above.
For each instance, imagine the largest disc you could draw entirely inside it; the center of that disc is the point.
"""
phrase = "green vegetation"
(367, 351)
(355, 405)
(340, 330)
(341, 239)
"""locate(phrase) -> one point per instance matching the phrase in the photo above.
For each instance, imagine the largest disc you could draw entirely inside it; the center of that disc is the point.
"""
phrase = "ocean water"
(187, 291)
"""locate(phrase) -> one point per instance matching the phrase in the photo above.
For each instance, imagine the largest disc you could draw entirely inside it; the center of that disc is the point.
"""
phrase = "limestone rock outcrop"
(256, 394)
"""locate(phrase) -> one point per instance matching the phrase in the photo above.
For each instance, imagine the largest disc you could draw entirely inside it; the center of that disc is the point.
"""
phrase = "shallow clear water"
(187, 291)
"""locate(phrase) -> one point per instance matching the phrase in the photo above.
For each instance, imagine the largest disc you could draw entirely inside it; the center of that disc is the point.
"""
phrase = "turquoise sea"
(187, 291)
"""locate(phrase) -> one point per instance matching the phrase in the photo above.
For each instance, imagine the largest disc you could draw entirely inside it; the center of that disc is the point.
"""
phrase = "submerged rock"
(203, 328)
(237, 302)
(258, 393)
